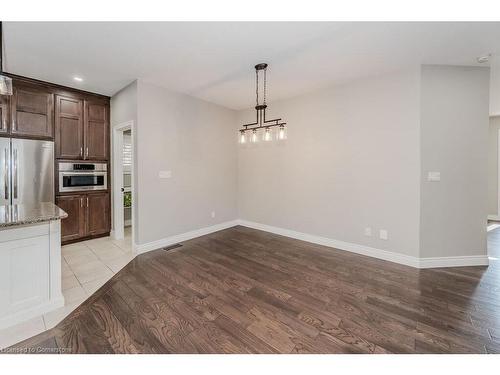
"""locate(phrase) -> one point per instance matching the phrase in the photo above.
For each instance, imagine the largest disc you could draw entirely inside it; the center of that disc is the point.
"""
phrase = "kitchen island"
(30, 261)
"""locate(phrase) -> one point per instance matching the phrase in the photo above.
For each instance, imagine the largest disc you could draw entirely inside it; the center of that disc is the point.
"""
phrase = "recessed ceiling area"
(214, 60)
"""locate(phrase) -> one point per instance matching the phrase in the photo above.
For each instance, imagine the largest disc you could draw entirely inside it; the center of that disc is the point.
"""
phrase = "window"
(127, 152)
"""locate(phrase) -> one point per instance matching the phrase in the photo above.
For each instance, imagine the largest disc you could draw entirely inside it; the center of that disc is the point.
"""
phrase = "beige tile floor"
(86, 266)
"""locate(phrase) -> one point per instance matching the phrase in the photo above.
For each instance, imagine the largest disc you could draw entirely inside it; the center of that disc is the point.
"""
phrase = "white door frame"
(117, 182)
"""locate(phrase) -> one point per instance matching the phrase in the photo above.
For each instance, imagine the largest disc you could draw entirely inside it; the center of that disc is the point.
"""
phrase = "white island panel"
(30, 264)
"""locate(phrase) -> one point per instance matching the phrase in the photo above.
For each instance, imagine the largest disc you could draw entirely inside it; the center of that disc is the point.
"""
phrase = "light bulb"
(267, 135)
(282, 132)
(254, 138)
(243, 138)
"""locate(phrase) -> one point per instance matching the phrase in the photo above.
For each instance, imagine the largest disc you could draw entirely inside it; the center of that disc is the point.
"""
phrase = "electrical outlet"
(213, 214)
(368, 231)
(434, 176)
(165, 174)
(383, 234)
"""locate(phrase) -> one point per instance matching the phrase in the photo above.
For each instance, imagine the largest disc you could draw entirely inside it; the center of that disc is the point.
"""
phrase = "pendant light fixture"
(262, 124)
(5, 82)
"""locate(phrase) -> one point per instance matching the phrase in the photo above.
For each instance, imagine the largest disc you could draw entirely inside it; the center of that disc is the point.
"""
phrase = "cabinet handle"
(15, 171)
(87, 152)
(87, 201)
(5, 174)
(14, 123)
(81, 151)
(81, 202)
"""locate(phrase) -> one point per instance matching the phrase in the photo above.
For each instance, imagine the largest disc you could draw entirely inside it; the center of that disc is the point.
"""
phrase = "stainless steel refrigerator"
(26, 171)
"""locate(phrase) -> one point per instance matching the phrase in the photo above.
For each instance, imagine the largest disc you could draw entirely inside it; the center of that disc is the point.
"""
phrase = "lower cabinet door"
(73, 227)
(98, 215)
(24, 274)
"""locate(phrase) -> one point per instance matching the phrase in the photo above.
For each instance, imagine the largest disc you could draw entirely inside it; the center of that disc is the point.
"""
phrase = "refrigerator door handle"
(14, 172)
(6, 173)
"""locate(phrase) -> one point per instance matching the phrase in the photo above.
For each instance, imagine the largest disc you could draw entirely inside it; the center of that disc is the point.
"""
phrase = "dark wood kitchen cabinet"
(78, 123)
(82, 129)
(88, 215)
(69, 128)
(96, 130)
(32, 112)
(72, 227)
(98, 214)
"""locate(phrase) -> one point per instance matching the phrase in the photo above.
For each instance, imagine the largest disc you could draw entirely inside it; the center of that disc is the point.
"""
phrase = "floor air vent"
(172, 247)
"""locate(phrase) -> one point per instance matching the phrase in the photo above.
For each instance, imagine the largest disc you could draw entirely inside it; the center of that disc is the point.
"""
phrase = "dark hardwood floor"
(245, 291)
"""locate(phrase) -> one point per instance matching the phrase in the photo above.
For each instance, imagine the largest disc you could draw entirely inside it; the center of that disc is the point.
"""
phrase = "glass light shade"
(5, 85)
(282, 133)
(254, 138)
(243, 137)
(267, 135)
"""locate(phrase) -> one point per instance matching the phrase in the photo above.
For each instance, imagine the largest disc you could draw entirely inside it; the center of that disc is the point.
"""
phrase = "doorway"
(123, 181)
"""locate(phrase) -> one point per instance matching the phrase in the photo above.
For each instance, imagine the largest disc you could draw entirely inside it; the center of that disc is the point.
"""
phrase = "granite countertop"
(22, 214)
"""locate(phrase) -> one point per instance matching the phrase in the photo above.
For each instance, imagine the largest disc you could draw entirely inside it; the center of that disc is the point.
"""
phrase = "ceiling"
(214, 60)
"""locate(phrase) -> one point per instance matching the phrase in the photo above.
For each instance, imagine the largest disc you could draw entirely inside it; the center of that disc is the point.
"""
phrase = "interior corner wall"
(454, 138)
(351, 161)
(494, 129)
(123, 109)
(193, 139)
(495, 87)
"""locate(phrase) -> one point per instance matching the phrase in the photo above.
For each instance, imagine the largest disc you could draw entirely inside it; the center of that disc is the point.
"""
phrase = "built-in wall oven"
(82, 177)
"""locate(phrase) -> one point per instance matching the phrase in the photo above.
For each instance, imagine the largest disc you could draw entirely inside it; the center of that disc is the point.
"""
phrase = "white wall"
(495, 87)
(493, 144)
(124, 109)
(493, 166)
(454, 139)
(356, 157)
(194, 140)
(351, 161)
(124, 105)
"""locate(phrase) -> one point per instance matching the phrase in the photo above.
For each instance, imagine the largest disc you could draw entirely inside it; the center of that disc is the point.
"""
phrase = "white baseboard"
(154, 245)
(341, 245)
(390, 256)
(460, 261)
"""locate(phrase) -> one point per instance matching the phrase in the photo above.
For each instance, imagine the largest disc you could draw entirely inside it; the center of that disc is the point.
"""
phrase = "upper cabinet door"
(4, 114)
(96, 131)
(32, 110)
(69, 128)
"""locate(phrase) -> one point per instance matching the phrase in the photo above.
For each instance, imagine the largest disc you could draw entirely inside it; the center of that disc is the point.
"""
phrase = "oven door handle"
(83, 173)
